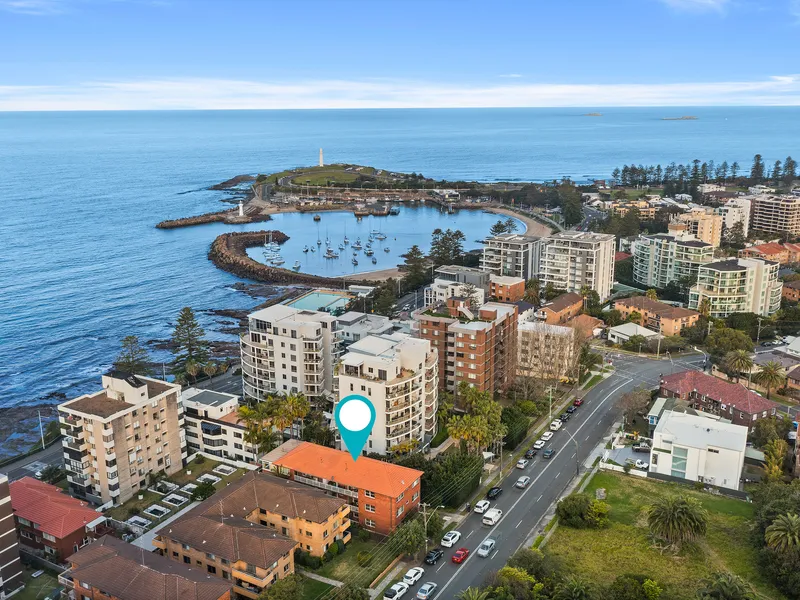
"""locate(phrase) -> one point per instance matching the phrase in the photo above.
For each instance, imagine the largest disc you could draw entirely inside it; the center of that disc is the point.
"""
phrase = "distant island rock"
(593, 115)
(685, 118)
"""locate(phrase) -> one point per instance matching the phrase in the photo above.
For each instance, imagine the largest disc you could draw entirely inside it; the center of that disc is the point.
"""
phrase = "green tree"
(632, 403)
(210, 369)
(704, 307)
(258, 430)
(652, 591)
(203, 491)
(722, 340)
(189, 339)
(385, 298)
(473, 430)
(409, 538)
(133, 357)
(288, 588)
(784, 533)
(738, 362)
(613, 317)
(677, 519)
(350, 591)
(652, 294)
(447, 247)
(777, 172)
(770, 376)
(789, 170)
(511, 225)
(724, 586)
(757, 170)
(571, 206)
(775, 454)
(574, 588)
(498, 228)
(734, 236)
(472, 593)
(771, 428)
(192, 369)
(635, 317)
(52, 474)
(416, 271)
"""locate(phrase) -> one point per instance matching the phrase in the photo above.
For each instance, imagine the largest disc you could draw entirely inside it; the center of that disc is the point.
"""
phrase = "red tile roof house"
(730, 401)
(49, 522)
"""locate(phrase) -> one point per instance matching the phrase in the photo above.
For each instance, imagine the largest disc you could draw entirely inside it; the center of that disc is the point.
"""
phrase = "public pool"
(320, 301)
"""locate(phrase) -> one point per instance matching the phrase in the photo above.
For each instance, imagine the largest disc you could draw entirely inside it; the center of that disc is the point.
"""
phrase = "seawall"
(223, 216)
(229, 253)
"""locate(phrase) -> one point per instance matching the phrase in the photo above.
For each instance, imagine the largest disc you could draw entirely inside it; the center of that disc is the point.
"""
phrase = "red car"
(577, 402)
(460, 555)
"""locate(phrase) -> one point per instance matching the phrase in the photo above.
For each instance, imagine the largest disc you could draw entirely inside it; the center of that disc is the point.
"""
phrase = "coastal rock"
(223, 216)
(233, 182)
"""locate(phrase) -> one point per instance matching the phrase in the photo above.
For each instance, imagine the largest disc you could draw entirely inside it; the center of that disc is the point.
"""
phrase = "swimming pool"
(328, 301)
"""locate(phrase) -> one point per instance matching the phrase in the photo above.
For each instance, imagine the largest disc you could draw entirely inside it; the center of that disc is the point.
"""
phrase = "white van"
(492, 516)
(555, 425)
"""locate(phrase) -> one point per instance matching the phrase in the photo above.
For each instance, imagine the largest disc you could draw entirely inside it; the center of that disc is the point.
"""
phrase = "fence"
(228, 461)
(714, 489)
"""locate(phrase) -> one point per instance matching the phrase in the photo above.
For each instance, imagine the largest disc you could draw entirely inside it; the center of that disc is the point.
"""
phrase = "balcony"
(398, 406)
(65, 579)
(76, 444)
(398, 432)
(326, 486)
(401, 418)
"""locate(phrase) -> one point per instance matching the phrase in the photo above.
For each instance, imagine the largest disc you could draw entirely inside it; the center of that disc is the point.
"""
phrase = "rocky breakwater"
(223, 216)
(229, 253)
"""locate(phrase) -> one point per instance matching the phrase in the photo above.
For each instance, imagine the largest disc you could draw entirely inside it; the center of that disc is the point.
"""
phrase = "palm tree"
(472, 593)
(281, 413)
(677, 519)
(738, 361)
(652, 294)
(533, 292)
(784, 533)
(192, 369)
(258, 427)
(724, 586)
(770, 376)
(704, 308)
(210, 369)
(471, 429)
(298, 407)
(573, 589)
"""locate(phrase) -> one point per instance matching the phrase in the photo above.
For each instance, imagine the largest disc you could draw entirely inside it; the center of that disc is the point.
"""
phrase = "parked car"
(522, 463)
(494, 492)
(547, 436)
(555, 425)
(413, 575)
(571, 409)
(398, 590)
(492, 516)
(460, 555)
(564, 418)
(522, 482)
(640, 464)
(486, 547)
(641, 447)
(530, 453)
(451, 538)
(432, 557)
(577, 402)
(481, 506)
(427, 591)
(539, 444)
(549, 453)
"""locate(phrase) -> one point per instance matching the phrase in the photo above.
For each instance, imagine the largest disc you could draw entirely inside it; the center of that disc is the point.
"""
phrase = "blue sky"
(151, 54)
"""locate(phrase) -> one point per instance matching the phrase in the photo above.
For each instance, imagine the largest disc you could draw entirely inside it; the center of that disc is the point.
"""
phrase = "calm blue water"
(81, 264)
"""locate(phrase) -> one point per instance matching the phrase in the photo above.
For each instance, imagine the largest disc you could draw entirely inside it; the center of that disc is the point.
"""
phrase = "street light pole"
(425, 518)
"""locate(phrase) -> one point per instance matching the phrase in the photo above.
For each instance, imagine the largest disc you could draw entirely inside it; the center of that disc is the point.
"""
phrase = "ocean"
(82, 265)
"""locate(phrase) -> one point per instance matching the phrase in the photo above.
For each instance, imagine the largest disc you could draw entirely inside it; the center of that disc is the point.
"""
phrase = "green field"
(39, 588)
(313, 589)
(323, 177)
(345, 567)
(626, 548)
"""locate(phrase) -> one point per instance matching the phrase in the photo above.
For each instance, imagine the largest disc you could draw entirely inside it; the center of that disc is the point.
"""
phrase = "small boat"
(374, 232)
(369, 252)
(357, 246)
(386, 249)
(312, 249)
(355, 253)
(317, 217)
(354, 261)
(296, 265)
(305, 248)
(319, 242)
(346, 241)
(278, 261)
(374, 261)
(370, 238)
(341, 246)
(394, 211)
(380, 236)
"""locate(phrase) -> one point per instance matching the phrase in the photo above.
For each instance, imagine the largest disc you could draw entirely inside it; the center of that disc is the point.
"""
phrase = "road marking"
(440, 568)
(470, 533)
(540, 497)
(559, 474)
(587, 437)
(573, 455)
(495, 553)
(518, 524)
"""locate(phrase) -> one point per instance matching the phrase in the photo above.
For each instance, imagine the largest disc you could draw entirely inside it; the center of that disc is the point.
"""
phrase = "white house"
(698, 448)
(212, 425)
(622, 333)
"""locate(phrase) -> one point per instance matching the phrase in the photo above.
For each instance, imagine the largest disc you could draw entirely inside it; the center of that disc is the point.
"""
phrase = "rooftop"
(768, 248)
(97, 405)
(453, 269)
(53, 511)
(727, 394)
(282, 312)
(631, 329)
(563, 302)
(129, 573)
(337, 466)
(208, 397)
(582, 236)
(514, 237)
(663, 310)
(701, 432)
(725, 265)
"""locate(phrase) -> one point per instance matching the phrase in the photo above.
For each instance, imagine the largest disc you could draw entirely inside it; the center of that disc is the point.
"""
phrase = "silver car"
(427, 591)
(486, 547)
(522, 482)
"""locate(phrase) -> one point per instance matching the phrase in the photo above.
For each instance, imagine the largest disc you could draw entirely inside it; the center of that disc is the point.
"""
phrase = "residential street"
(54, 455)
(522, 509)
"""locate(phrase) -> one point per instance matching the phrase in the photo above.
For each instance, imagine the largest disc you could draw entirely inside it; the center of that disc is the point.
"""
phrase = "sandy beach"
(533, 227)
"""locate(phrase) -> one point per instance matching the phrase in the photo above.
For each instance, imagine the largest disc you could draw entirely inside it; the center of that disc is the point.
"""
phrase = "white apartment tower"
(288, 350)
(738, 285)
(573, 259)
(661, 258)
(399, 375)
(513, 255)
(735, 210)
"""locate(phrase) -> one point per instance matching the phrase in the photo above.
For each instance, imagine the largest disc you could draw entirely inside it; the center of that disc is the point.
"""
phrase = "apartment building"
(12, 577)
(791, 291)
(477, 347)
(547, 351)
(454, 281)
(289, 350)
(561, 309)
(731, 401)
(770, 251)
(658, 316)
(400, 376)
(661, 258)
(110, 569)
(703, 224)
(380, 494)
(50, 523)
(506, 289)
(738, 285)
(698, 448)
(213, 425)
(778, 214)
(115, 438)
(513, 255)
(623, 207)
(574, 259)
(353, 326)
(735, 210)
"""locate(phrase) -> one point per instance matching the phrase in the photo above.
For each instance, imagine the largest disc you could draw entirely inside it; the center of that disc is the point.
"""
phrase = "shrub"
(597, 516)
(134, 511)
(203, 491)
(340, 546)
(363, 558)
(333, 550)
(363, 535)
(199, 459)
(327, 557)
(580, 510)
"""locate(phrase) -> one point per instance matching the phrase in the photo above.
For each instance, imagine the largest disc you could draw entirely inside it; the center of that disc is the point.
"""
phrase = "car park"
(494, 492)
(432, 557)
(427, 591)
(549, 453)
(481, 506)
(539, 444)
(413, 575)
(522, 482)
(547, 436)
(486, 547)
(530, 453)
(460, 555)
(522, 463)
(398, 590)
(451, 538)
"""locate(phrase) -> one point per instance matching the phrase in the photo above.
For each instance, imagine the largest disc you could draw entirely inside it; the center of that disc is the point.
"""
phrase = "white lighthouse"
(321, 162)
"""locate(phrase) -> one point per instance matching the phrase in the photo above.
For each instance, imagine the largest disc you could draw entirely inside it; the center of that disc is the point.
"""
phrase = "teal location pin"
(355, 416)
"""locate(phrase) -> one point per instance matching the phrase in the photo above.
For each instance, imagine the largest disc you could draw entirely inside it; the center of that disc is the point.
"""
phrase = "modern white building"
(661, 258)
(735, 210)
(353, 326)
(212, 425)
(574, 259)
(513, 254)
(399, 375)
(738, 285)
(622, 333)
(452, 280)
(698, 448)
(289, 350)
(546, 351)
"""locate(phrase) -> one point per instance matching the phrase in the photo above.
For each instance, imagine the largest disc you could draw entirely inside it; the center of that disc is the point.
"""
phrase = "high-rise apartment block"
(703, 224)
(12, 577)
(454, 281)
(574, 259)
(289, 350)
(776, 214)
(114, 439)
(735, 210)
(661, 258)
(738, 285)
(477, 347)
(513, 254)
(399, 375)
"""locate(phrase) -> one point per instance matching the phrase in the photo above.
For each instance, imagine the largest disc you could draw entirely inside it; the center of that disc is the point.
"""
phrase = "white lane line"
(587, 437)
(440, 568)
(470, 533)
(539, 498)
(518, 524)
(573, 455)
(542, 472)
(559, 475)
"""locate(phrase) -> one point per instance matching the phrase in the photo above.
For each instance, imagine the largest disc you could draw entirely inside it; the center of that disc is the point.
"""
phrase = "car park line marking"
(518, 524)
(540, 497)
(495, 553)
(587, 437)
(470, 533)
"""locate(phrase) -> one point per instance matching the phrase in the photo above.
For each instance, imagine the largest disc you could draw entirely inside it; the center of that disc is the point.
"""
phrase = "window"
(369, 522)
(369, 508)
(308, 534)
(48, 537)
(679, 462)
(415, 496)
(369, 494)
(211, 569)
(187, 560)
(23, 521)
(174, 554)
(400, 497)
(713, 451)
(400, 510)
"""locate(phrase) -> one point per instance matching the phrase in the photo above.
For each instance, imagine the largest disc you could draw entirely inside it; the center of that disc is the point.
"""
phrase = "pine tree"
(498, 228)
(133, 358)
(415, 267)
(189, 339)
(777, 171)
(757, 170)
(734, 170)
(789, 170)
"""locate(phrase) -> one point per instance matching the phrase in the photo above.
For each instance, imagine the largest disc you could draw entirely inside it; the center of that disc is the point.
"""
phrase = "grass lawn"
(345, 566)
(624, 547)
(39, 588)
(323, 177)
(313, 589)
(593, 382)
(440, 437)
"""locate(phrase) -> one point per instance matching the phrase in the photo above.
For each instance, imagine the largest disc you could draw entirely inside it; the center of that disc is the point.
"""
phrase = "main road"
(522, 509)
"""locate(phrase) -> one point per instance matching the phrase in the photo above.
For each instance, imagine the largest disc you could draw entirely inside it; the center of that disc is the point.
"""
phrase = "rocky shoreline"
(229, 253)
(230, 217)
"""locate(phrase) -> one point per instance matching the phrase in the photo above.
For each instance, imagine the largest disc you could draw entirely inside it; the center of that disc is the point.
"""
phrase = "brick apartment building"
(11, 573)
(380, 494)
(791, 291)
(731, 401)
(51, 523)
(658, 316)
(478, 347)
(561, 309)
(110, 569)
(504, 288)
